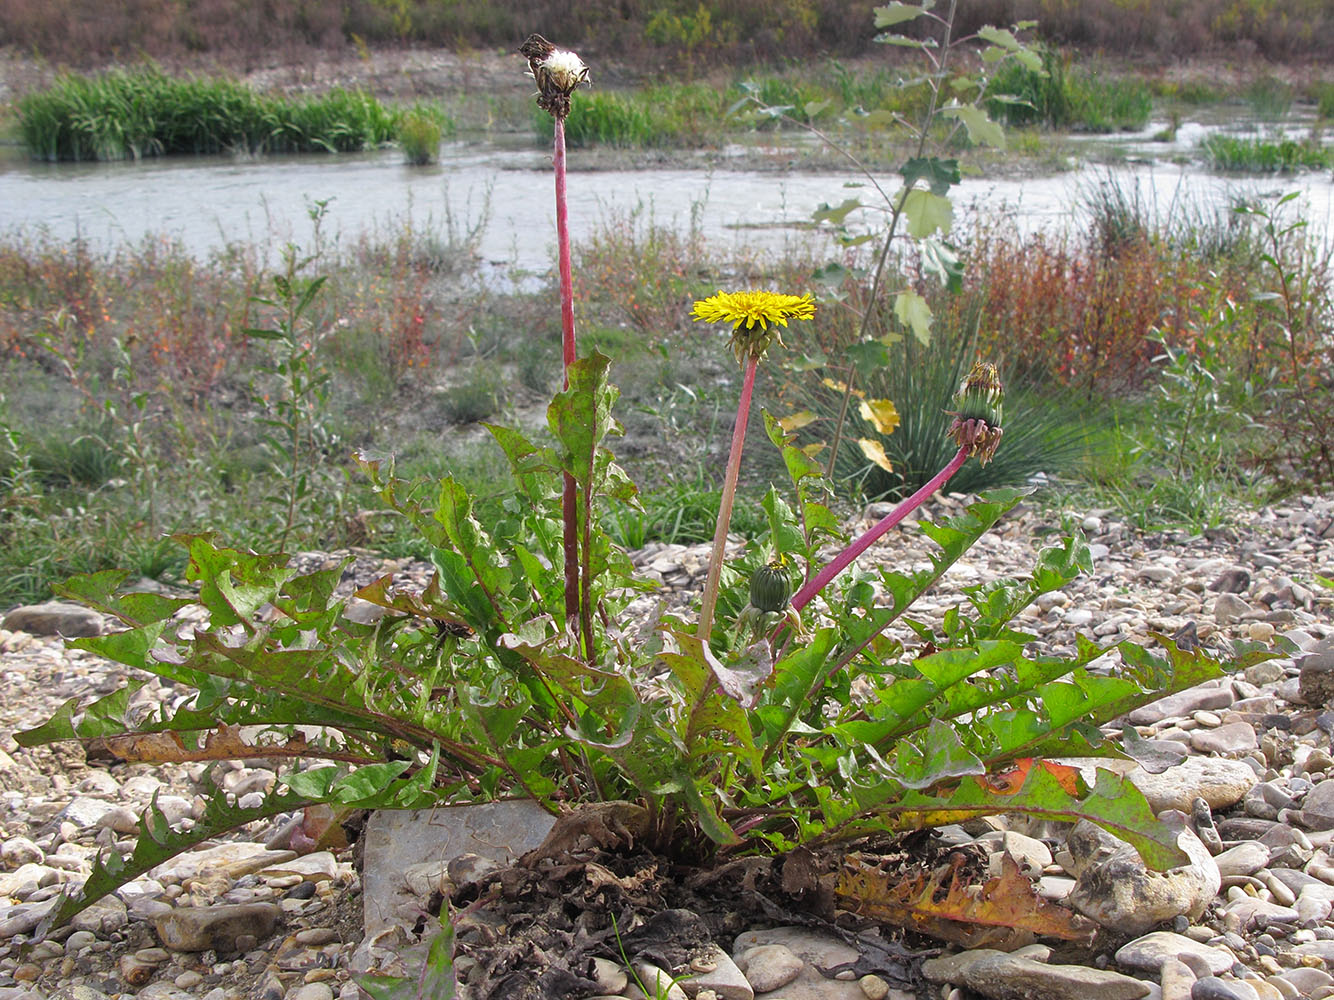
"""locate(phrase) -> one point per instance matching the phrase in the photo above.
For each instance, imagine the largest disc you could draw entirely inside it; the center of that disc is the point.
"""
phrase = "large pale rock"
(1221, 783)
(1121, 893)
(54, 618)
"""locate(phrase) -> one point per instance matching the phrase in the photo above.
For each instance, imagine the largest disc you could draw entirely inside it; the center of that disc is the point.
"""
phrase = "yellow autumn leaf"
(875, 452)
(838, 386)
(881, 414)
(796, 421)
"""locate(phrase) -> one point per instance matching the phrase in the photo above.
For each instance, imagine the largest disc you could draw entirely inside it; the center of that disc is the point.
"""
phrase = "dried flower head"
(750, 310)
(978, 413)
(557, 72)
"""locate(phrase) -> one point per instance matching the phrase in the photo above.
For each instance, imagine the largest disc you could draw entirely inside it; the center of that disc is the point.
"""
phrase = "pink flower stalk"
(873, 534)
(976, 429)
(750, 314)
(557, 73)
(725, 502)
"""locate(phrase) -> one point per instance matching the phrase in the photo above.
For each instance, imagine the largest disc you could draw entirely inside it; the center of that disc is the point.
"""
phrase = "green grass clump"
(683, 512)
(1061, 98)
(129, 114)
(687, 114)
(1324, 100)
(1268, 156)
(419, 133)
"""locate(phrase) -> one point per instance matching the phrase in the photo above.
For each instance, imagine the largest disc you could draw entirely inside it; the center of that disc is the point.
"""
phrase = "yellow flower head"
(751, 310)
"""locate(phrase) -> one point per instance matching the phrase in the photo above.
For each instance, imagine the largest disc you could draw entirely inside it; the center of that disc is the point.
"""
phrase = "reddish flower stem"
(569, 495)
(710, 599)
(844, 559)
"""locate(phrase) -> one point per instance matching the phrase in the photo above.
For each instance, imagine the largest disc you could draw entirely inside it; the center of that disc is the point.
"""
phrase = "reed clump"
(139, 112)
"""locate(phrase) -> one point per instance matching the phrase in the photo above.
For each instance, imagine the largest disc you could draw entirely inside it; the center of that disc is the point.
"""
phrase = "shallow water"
(208, 203)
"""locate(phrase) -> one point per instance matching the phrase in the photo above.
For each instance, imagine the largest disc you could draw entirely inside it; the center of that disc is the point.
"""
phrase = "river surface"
(505, 196)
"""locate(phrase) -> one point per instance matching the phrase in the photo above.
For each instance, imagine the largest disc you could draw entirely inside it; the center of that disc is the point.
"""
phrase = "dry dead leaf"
(949, 904)
(1009, 782)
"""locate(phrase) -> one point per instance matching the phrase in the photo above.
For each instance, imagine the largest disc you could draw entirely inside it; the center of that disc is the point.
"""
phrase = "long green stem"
(710, 599)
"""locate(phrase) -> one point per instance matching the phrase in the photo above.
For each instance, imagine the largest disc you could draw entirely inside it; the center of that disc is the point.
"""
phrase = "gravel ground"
(1249, 918)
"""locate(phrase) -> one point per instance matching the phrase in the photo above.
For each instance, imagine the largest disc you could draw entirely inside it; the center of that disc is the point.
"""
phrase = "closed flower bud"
(977, 419)
(771, 587)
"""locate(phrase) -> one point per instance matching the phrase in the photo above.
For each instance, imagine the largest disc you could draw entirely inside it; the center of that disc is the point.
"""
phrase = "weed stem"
(569, 497)
(844, 559)
(710, 599)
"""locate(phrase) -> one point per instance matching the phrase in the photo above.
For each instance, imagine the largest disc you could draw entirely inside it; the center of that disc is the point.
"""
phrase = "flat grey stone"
(1150, 952)
(999, 976)
(1318, 806)
(1245, 858)
(1209, 695)
(1315, 678)
(54, 618)
(1306, 981)
(1175, 980)
(769, 966)
(1214, 988)
(86, 812)
(399, 839)
(1232, 738)
(817, 951)
(108, 914)
(725, 978)
(234, 860)
(1260, 912)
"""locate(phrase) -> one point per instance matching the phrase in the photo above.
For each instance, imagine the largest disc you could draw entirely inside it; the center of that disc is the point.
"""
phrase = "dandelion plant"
(745, 311)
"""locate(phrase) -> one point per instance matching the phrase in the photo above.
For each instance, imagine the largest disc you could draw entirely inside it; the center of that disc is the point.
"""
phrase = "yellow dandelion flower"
(750, 310)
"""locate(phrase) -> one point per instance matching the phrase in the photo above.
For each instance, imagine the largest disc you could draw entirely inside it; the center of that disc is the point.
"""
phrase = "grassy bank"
(129, 114)
(1167, 370)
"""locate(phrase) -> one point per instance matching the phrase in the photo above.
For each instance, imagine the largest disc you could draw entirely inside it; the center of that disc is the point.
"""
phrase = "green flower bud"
(771, 587)
(978, 413)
